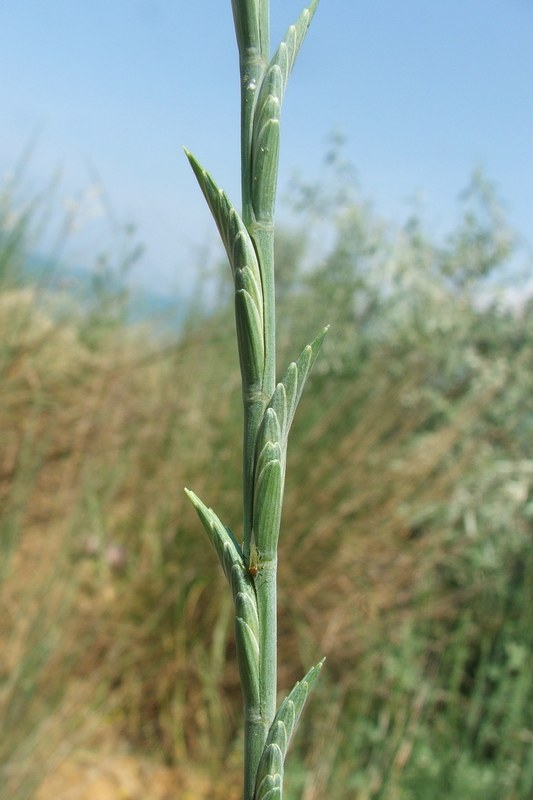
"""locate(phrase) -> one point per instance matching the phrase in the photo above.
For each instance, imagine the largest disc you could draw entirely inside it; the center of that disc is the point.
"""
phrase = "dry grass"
(114, 635)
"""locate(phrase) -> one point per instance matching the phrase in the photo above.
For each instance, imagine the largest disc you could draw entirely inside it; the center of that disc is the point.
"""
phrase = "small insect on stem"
(253, 562)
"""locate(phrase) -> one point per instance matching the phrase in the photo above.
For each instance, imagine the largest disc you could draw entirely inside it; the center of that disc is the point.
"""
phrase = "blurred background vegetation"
(406, 552)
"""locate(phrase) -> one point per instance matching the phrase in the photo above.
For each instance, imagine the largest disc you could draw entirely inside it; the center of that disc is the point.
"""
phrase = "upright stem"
(251, 19)
(268, 407)
(252, 27)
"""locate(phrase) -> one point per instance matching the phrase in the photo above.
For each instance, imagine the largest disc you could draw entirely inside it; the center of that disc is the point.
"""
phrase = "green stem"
(258, 719)
(252, 25)
(251, 19)
(256, 400)
(267, 607)
(268, 408)
(262, 84)
(255, 734)
(254, 58)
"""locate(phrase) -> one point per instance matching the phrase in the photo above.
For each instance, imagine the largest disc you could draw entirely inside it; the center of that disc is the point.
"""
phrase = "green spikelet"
(270, 772)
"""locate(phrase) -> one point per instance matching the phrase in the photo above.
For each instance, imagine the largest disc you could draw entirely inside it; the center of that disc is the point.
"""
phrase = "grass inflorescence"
(268, 405)
(406, 547)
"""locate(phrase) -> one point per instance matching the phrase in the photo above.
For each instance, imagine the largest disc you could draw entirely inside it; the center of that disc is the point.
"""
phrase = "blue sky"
(424, 91)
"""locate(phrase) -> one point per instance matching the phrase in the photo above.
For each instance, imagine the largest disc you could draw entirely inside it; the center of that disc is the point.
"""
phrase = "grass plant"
(268, 406)
(411, 569)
